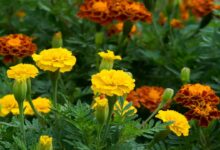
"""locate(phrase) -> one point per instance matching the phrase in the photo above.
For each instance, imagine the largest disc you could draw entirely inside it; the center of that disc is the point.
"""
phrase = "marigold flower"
(42, 105)
(45, 143)
(162, 19)
(20, 14)
(175, 23)
(117, 28)
(55, 59)
(109, 55)
(22, 72)
(118, 107)
(148, 96)
(201, 101)
(105, 11)
(8, 104)
(199, 8)
(180, 125)
(192, 95)
(112, 82)
(17, 45)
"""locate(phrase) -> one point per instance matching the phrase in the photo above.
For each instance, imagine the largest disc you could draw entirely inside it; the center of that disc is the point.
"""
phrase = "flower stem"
(54, 81)
(30, 99)
(21, 117)
(111, 103)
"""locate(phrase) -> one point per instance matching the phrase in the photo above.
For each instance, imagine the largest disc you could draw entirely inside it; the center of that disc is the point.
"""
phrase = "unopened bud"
(57, 40)
(185, 75)
(101, 109)
(20, 91)
(167, 95)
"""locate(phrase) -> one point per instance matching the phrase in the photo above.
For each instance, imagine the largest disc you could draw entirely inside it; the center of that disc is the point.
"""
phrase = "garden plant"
(109, 74)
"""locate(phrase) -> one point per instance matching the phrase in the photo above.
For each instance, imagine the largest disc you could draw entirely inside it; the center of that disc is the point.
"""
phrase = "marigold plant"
(179, 126)
(118, 107)
(55, 59)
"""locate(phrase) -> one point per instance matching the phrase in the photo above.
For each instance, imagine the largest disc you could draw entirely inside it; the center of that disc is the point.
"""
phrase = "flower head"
(109, 55)
(8, 104)
(175, 23)
(105, 11)
(22, 72)
(201, 101)
(149, 96)
(55, 59)
(45, 142)
(112, 82)
(120, 108)
(162, 19)
(42, 105)
(180, 125)
(17, 45)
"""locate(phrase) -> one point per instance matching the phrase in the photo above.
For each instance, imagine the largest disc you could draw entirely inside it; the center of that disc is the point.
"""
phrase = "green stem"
(21, 116)
(111, 103)
(153, 114)
(30, 99)
(54, 81)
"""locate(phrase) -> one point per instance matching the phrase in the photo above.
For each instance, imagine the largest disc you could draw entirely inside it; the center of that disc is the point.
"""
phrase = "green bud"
(20, 91)
(167, 95)
(99, 39)
(185, 75)
(57, 40)
(101, 110)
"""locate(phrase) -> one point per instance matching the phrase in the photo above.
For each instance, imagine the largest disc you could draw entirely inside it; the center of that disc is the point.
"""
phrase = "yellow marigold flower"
(42, 105)
(109, 55)
(55, 59)
(17, 45)
(45, 143)
(118, 107)
(112, 82)
(22, 72)
(8, 104)
(180, 125)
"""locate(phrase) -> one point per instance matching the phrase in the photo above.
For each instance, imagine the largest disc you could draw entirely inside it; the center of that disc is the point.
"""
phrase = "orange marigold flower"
(17, 45)
(117, 28)
(148, 96)
(184, 12)
(201, 100)
(162, 19)
(192, 95)
(202, 8)
(96, 10)
(105, 11)
(175, 23)
(199, 8)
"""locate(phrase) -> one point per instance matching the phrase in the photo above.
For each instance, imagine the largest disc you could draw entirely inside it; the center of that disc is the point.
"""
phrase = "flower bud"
(106, 64)
(57, 40)
(185, 75)
(45, 143)
(101, 109)
(167, 95)
(20, 91)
